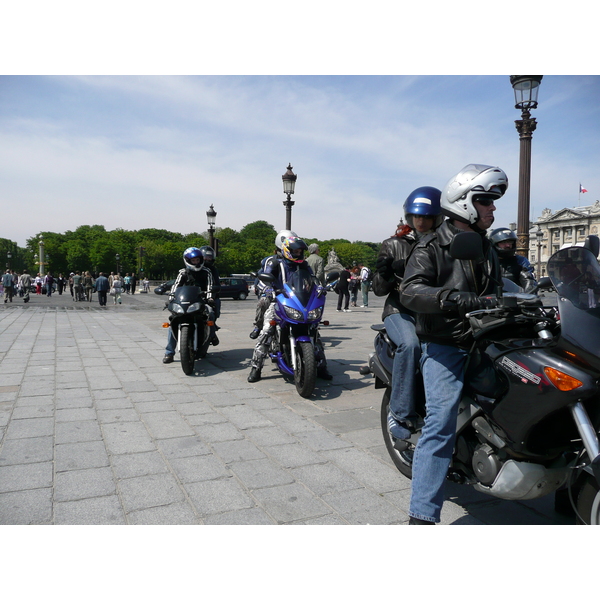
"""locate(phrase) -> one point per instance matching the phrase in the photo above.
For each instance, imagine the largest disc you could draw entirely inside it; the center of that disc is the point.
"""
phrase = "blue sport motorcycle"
(295, 344)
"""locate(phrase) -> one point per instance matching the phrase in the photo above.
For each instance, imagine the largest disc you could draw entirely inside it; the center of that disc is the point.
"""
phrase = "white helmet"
(283, 235)
(472, 181)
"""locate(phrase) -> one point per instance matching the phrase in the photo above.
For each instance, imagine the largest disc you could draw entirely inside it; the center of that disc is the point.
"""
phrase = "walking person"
(25, 284)
(354, 284)
(49, 284)
(7, 282)
(102, 286)
(127, 283)
(343, 291)
(133, 282)
(88, 284)
(365, 276)
(77, 287)
(116, 289)
(316, 263)
(38, 284)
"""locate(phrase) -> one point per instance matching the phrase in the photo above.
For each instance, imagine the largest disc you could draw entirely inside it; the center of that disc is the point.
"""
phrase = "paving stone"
(27, 476)
(178, 513)
(218, 496)
(25, 428)
(106, 510)
(237, 450)
(86, 483)
(138, 464)
(150, 491)
(30, 507)
(27, 450)
(198, 468)
(77, 431)
(81, 455)
(256, 474)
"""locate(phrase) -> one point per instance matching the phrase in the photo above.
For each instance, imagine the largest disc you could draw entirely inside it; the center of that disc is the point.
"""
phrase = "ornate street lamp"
(211, 215)
(289, 183)
(526, 89)
(8, 257)
(539, 234)
(42, 258)
(118, 258)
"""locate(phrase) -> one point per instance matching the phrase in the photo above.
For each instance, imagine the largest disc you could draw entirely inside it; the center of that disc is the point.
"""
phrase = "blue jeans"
(364, 287)
(401, 330)
(443, 374)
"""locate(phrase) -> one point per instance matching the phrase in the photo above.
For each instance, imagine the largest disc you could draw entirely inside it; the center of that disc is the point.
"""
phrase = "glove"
(466, 302)
(398, 267)
(384, 267)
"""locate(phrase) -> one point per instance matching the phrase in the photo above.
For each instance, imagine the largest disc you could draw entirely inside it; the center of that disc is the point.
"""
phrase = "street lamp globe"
(526, 89)
(289, 181)
(211, 215)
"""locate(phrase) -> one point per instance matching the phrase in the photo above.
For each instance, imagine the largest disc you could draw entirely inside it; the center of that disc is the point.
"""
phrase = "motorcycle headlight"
(193, 307)
(177, 308)
(292, 313)
(315, 314)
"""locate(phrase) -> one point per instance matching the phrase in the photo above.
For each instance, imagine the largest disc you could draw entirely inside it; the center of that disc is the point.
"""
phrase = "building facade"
(563, 228)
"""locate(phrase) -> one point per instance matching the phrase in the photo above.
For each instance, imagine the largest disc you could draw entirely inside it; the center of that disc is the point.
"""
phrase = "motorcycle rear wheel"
(588, 502)
(305, 375)
(402, 458)
(186, 348)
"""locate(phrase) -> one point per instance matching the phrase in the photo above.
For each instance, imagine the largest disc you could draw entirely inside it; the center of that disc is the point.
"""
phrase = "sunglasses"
(484, 201)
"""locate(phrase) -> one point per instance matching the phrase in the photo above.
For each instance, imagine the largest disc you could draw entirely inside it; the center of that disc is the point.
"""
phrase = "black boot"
(215, 340)
(254, 375)
(254, 333)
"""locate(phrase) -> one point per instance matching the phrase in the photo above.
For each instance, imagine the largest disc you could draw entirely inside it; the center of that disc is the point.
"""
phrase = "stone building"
(563, 228)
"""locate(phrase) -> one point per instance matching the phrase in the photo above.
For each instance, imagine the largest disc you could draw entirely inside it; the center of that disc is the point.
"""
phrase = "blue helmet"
(424, 201)
(191, 253)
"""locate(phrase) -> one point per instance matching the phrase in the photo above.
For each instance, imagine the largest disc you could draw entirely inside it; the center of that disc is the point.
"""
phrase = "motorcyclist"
(441, 290)
(209, 262)
(196, 274)
(261, 288)
(513, 266)
(422, 212)
(291, 259)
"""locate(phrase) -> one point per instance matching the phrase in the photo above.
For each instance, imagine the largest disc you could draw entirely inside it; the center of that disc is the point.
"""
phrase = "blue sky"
(157, 151)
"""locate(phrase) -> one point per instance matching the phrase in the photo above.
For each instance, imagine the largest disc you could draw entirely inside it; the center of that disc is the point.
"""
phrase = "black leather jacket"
(432, 274)
(513, 268)
(396, 248)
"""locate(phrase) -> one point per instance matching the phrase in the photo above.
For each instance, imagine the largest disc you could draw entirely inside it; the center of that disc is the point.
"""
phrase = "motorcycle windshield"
(301, 282)
(186, 294)
(575, 274)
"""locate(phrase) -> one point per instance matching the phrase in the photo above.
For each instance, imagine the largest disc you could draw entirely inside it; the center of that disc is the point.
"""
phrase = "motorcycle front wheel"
(186, 348)
(402, 457)
(588, 502)
(305, 375)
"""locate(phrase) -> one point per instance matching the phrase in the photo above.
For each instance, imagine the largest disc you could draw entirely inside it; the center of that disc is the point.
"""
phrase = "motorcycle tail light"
(562, 381)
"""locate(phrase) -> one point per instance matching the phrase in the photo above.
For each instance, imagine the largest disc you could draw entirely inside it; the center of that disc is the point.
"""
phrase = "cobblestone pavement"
(94, 429)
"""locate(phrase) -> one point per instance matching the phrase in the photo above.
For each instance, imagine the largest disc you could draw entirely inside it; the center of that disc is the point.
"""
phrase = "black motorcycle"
(193, 324)
(529, 417)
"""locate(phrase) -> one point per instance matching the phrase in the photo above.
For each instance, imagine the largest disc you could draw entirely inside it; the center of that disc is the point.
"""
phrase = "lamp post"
(118, 258)
(41, 251)
(526, 89)
(539, 234)
(8, 257)
(211, 215)
(289, 183)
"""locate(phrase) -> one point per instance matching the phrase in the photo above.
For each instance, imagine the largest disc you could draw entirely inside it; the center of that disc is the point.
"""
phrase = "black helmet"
(503, 234)
(208, 254)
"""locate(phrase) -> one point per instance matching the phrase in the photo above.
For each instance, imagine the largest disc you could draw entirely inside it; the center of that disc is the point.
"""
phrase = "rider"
(261, 288)
(441, 290)
(423, 214)
(291, 259)
(194, 273)
(513, 266)
(208, 254)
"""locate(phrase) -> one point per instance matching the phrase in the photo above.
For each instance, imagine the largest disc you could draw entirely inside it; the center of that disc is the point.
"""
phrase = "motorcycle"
(295, 344)
(529, 415)
(192, 322)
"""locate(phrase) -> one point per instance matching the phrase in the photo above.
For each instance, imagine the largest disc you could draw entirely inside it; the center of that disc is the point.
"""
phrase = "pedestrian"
(60, 284)
(316, 263)
(38, 284)
(365, 278)
(7, 283)
(127, 283)
(422, 212)
(354, 284)
(71, 285)
(133, 282)
(49, 284)
(343, 291)
(146, 285)
(77, 287)
(116, 289)
(102, 286)
(441, 290)
(25, 284)
(88, 285)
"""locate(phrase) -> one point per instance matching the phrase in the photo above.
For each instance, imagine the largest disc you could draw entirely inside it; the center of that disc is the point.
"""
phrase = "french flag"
(582, 190)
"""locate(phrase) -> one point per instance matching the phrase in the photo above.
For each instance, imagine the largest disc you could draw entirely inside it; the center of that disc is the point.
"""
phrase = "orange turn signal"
(210, 323)
(166, 324)
(562, 381)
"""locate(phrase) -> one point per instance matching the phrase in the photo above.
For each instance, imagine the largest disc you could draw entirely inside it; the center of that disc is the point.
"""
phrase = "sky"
(130, 131)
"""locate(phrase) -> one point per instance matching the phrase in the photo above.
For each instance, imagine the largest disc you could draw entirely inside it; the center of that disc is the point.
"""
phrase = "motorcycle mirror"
(592, 243)
(544, 283)
(466, 245)
(332, 276)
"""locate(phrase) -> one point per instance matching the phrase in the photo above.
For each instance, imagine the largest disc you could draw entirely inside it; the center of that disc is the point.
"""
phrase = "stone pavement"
(94, 429)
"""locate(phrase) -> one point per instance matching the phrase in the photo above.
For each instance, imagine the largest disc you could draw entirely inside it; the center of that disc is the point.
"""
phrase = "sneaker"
(254, 375)
(347, 310)
(396, 429)
(362, 306)
(254, 333)
(415, 521)
(168, 358)
(339, 310)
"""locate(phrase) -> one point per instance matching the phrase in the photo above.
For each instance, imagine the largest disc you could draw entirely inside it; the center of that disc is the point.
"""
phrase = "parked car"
(233, 287)
(164, 288)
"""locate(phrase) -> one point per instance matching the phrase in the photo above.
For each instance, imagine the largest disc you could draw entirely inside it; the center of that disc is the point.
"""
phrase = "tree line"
(157, 253)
